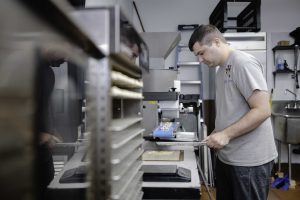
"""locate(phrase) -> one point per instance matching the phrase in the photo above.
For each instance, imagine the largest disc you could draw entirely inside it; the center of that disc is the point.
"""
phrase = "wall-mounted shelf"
(285, 71)
(277, 48)
(290, 47)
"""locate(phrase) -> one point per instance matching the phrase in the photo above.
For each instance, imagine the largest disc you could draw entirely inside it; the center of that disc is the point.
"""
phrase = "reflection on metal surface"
(286, 122)
(56, 112)
(286, 125)
(119, 38)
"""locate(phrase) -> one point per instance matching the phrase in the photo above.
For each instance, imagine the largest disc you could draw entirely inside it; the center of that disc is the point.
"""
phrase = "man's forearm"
(247, 123)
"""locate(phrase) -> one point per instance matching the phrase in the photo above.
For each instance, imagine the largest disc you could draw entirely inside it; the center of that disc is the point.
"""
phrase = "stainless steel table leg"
(204, 180)
(290, 161)
(279, 155)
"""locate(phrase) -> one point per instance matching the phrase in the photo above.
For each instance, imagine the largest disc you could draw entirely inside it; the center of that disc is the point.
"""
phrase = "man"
(48, 58)
(243, 136)
(131, 39)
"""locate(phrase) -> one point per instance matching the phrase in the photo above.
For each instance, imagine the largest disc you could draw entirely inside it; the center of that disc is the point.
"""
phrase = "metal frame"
(53, 13)
(116, 137)
(247, 21)
(98, 100)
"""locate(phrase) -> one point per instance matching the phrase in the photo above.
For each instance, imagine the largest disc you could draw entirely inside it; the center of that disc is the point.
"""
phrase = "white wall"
(165, 15)
(280, 15)
(135, 19)
(278, 18)
(126, 5)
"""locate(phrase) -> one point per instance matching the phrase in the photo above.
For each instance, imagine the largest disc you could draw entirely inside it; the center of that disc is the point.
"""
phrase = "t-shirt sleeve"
(248, 77)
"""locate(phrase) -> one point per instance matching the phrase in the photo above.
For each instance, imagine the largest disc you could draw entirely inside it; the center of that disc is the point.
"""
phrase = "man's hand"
(49, 139)
(217, 140)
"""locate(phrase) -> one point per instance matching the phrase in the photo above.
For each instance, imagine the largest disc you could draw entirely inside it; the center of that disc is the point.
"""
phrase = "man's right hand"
(217, 140)
(49, 139)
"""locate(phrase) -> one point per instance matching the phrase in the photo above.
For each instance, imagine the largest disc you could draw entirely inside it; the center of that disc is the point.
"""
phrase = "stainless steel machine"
(169, 160)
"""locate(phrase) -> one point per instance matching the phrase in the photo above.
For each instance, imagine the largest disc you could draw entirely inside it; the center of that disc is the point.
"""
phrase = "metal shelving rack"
(113, 111)
(116, 143)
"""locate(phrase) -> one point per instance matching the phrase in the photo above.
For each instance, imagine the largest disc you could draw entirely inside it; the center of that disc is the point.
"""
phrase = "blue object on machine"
(165, 130)
(281, 183)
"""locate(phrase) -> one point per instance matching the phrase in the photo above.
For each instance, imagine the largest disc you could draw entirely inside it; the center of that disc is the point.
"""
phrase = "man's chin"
(57, 64)
(210, 64)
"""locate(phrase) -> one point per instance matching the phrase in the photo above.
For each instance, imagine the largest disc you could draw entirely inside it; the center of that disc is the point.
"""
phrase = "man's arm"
(49, 139)
(259, 111)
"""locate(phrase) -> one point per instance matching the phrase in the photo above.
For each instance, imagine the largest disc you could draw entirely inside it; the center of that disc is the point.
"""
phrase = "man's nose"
(200, 59)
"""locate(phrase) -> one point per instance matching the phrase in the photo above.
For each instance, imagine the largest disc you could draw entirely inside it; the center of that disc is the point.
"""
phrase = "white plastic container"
(279, 63)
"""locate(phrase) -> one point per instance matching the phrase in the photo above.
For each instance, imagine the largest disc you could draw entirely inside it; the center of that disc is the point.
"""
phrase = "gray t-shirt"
(235, 83)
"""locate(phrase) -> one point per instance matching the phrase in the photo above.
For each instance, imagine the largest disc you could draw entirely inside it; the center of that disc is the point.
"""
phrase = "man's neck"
(228, 50)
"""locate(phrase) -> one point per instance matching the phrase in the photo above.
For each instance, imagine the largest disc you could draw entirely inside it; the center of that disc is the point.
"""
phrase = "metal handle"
(181, 143)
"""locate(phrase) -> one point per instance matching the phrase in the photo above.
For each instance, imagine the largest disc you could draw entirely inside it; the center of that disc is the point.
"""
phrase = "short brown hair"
(204, 34)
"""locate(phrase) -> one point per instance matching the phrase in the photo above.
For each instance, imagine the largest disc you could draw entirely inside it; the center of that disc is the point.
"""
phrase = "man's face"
(208, 54)
(135, 52)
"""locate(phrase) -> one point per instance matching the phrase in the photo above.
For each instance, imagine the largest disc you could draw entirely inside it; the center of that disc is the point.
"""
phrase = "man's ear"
(217, 41)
